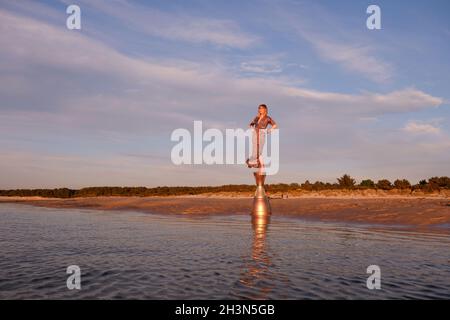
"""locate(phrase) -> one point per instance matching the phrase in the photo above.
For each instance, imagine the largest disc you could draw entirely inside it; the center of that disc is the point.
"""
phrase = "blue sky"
(97, 106)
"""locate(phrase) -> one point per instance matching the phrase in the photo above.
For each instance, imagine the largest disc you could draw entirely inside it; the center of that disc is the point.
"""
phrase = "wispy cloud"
(348, 50)
(30, 45)
(176, 25)
(368, 103)
(419, 127)
(262, 64)
(355, 58)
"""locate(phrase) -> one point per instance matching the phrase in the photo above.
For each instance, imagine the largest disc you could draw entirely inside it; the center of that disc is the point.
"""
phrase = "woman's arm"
(254, 122)
(273, 125)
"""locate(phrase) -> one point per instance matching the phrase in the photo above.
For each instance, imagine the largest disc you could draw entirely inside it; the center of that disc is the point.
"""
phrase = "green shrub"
(367, 183)
(402, 184)
(346, 182)
(384, 184)
(442, 182)
(307, 185)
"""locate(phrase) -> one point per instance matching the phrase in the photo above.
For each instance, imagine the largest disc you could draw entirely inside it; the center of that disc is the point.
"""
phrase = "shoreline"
(323, 194)
(392, 210)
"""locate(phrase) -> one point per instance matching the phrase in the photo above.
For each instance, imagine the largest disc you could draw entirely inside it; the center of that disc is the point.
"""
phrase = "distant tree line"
(347, 182)
(343, 183)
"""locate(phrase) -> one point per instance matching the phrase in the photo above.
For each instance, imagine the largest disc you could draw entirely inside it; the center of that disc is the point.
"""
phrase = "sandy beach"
(406, 211)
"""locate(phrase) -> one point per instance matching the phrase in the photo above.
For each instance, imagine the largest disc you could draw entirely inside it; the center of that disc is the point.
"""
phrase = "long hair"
(255, 120)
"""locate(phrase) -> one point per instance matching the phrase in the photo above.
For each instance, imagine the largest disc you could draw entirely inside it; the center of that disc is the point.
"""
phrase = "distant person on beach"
(260, 123)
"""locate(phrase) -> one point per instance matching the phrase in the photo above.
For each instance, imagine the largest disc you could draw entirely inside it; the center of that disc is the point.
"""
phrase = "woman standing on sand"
(260, 123)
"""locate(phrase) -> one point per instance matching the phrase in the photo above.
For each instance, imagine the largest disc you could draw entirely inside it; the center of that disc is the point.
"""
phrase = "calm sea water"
(132, 255)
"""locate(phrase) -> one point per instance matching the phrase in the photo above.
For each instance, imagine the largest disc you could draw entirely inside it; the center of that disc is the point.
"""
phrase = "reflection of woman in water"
(257, 275)
(260, 123)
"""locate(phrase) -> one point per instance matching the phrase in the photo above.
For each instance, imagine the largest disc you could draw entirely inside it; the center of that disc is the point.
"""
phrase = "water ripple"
(131, 255)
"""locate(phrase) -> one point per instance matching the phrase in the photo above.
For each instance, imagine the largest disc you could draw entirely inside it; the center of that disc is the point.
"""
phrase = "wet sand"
(420, 212)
